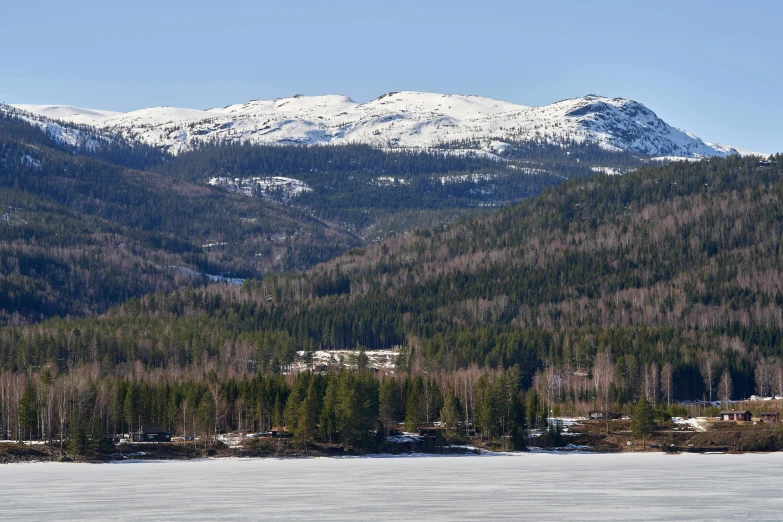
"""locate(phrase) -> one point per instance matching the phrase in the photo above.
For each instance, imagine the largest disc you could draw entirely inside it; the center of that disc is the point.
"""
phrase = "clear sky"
(714, 68)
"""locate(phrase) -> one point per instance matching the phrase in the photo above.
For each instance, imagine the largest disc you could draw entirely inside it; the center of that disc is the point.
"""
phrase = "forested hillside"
(79, 234)
(376, 193)
(665, 282)
(91, 219)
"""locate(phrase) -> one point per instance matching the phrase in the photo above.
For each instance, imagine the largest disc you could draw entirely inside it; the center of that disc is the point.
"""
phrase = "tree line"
(356, 407)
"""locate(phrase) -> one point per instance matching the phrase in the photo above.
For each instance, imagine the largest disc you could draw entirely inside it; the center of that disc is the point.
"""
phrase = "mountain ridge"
(404, 119)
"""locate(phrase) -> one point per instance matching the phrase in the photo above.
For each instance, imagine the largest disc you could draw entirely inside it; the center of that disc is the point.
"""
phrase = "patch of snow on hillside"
(212, 277)
(265, 187)
(611, 171)
(466, 178)
(498, 147)
(389, 181)
(380, 359)
(29, 160)
(665, 159)
(693, 423)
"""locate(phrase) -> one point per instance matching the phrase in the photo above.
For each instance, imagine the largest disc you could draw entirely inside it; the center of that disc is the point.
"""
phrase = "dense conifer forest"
(665, 282)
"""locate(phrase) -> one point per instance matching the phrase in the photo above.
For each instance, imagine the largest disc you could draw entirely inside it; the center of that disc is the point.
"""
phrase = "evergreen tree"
(28, 412)
(309, 411)
(413, 414)
(450, 413)
(518, 425)
(328, 418)
(643, 420)
(388, 402)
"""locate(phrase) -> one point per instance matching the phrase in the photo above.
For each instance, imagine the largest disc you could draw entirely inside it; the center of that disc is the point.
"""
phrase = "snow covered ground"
(211, 277)
(611, 171)
(396, 120)
(381, 359)
(691, 422)
(464, 178)
(270, 187)
(389, 181)
(539, 486)
(759, 398)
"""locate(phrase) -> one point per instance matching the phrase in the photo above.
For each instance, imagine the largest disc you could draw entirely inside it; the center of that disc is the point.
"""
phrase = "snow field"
(399, 120)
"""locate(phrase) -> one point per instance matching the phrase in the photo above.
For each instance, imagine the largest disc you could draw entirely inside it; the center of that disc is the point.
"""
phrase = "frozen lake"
(526, 486)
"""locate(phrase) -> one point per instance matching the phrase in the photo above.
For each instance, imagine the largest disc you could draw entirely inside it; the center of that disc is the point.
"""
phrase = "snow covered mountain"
(395, 120)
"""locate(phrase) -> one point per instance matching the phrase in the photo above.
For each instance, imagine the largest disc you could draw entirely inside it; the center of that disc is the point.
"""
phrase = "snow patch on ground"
(693, 423)
(611, 171)
(466, 178)
(265, 187)
(404, 438)
(322, 359)
(757, 398)
(213, 278)
(389, 181)
(29, 160)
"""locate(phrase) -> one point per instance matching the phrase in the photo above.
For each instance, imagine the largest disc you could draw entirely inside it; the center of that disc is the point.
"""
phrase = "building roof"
(151, 429)
(734, 412)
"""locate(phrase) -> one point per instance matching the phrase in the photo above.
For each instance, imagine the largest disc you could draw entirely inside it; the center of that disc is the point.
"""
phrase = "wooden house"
(151, 434)
(733, 415)
(770, 417)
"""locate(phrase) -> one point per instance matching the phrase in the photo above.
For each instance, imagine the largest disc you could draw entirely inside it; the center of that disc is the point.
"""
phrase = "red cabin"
(735, 415)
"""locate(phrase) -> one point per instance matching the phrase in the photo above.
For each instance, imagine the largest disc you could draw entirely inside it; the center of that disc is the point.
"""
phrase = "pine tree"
(413, 417)
(307, 422)
(388, 402)
(643, 420)
(28, 412)
(131, 408)
(328, 418)
(450, 413)
(518, 427)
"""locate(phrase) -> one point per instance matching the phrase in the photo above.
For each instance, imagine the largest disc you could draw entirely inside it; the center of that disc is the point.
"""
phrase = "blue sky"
(713, 68)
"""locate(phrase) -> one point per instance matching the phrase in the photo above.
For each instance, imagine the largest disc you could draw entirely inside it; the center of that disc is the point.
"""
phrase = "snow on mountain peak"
(398, 119)
(66, 113)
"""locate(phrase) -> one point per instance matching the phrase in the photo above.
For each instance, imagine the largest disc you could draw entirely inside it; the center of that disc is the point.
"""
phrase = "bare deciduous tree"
(62, 406)
(725, 387)
(709, 365)
(667, 382)
(603, 375)
(651, 383)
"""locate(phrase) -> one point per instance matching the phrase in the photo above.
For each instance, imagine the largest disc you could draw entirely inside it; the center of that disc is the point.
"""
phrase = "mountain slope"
(399, 119)
(78, 234)
(670, 264)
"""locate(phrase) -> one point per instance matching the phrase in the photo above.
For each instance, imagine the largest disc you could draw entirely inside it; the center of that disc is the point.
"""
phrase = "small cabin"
(770, 417)
(735, 415)
(599, 415)
(429, 431)
(151, 434)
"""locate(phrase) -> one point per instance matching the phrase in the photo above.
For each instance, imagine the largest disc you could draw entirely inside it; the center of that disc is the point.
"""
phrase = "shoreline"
(367, 456)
